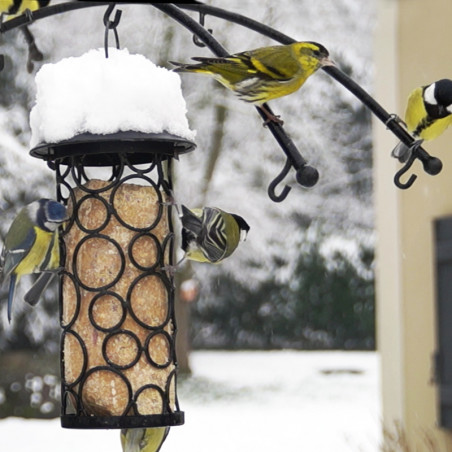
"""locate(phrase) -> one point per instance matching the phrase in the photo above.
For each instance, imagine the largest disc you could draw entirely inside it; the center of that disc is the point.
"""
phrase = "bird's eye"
(316, 53)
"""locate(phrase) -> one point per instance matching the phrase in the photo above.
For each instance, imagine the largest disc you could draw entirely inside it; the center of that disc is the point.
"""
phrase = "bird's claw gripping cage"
(118, 364)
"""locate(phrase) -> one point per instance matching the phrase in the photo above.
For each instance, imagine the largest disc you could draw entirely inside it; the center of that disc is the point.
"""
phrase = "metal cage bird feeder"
(118, 364)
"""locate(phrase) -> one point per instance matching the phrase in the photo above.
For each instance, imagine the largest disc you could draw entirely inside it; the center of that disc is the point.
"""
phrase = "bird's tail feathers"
(187, 237)
(183, 67)
(190, 221)
(37, 289)
(180, 67)
(12, 289)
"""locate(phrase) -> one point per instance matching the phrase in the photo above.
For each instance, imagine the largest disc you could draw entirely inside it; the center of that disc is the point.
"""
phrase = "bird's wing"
(275, 63)
(278, 62)
(212, 238)
(12, 257)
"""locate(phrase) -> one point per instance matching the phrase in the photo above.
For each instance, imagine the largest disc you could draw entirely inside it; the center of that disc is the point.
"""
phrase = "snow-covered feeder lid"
(100, 107)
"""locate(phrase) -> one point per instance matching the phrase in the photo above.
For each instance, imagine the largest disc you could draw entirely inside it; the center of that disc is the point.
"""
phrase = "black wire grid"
(134, 159)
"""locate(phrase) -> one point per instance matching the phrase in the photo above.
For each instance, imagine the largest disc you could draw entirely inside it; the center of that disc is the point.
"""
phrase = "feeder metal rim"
(129, 142)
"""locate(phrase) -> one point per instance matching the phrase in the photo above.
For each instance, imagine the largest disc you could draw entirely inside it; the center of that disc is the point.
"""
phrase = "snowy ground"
(245, 402)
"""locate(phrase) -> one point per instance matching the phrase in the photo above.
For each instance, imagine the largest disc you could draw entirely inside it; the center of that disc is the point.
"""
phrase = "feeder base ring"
(110, 422)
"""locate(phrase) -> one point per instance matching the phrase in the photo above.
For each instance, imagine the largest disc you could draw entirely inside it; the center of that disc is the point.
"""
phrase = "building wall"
(413, 48)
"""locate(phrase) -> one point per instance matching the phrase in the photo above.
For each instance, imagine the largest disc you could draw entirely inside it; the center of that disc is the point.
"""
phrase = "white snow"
(287, 401)
(100, 95)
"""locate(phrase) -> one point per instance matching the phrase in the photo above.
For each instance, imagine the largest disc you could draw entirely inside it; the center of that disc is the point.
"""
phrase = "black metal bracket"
(196, 40)
(432, 165)
(306, 175)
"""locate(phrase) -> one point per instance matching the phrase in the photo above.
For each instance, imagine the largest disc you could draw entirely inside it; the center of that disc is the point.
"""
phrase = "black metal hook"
(403, 170)
(111, 25)
(285, 191)
(196, 40)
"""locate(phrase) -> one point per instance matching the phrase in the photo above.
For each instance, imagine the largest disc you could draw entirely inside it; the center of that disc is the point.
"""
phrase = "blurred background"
(304, 278)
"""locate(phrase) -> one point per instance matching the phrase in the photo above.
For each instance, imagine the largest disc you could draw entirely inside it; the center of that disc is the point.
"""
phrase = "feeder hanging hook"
(111, 25)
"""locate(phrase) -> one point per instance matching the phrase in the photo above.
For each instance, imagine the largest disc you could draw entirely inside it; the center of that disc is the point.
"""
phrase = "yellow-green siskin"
(210, 234)
(263, 74)
(143, 439)
(428, 114)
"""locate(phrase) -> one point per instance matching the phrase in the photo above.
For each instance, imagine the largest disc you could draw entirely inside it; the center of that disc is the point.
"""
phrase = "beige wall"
(413, 48)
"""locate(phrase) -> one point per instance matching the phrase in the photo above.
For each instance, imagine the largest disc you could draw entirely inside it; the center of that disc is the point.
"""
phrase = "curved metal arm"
(173, 10)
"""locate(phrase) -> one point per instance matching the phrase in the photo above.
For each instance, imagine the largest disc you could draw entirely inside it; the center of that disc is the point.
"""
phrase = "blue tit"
(428, 114)
(210, 234)
(143, 439)
(31, 244)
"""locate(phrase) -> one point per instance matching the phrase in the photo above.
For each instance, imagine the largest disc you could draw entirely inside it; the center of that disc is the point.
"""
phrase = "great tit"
(210, 234)
(143, 439)
(263, 74)
(31, 244)
(428, 114)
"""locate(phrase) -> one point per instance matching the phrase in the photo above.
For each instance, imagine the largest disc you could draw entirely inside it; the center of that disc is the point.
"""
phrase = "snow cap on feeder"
(97, 100)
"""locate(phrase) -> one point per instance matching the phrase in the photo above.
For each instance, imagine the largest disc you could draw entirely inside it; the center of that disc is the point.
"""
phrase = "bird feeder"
(118, 363)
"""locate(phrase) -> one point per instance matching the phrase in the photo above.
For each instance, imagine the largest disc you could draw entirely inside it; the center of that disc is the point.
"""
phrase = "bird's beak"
(327, 62)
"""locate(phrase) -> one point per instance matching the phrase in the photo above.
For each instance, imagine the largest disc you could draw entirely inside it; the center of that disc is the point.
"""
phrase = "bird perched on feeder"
(31, 244)
(143, 439)
(14, 8)
(260, 75)
(210, 234)
(428, 114)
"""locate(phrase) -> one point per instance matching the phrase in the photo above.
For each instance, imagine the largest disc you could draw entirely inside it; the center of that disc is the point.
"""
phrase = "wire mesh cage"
(118, 363)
